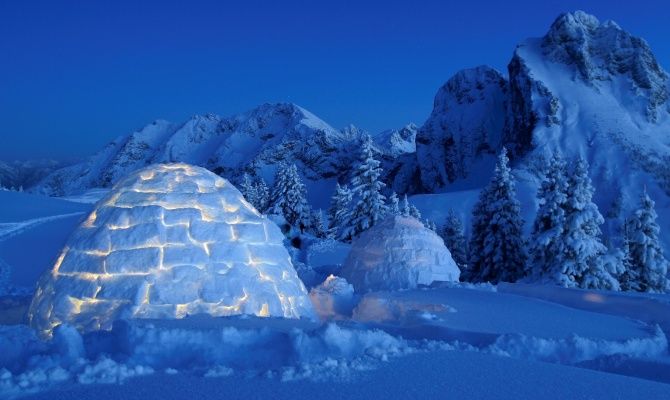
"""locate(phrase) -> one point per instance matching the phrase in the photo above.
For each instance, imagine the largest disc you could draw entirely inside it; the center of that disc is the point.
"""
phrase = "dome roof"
(168, 241)
(398, 253)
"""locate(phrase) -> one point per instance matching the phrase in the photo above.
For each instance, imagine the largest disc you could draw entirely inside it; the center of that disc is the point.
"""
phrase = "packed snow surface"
(168, 241)
(398, 253)
(499, 345)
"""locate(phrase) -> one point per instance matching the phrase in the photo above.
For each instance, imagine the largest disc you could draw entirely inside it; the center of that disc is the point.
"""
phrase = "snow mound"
(168, 241)
(398, 253)
(333, 298)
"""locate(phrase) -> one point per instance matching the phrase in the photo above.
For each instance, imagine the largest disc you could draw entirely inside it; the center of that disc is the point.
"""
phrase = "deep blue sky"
(74, 75)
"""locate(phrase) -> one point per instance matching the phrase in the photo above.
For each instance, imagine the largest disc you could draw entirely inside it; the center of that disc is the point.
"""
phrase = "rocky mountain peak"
(468, 85)
(602, 51)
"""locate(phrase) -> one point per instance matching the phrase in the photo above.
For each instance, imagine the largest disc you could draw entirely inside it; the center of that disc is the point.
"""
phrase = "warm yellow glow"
(145, 296)
(97, 253)
(119, 227)
(594, 298)
(90, 221)
(112, 200)
(181, 310)
(264, 311)
(59, 261)
(145, 176)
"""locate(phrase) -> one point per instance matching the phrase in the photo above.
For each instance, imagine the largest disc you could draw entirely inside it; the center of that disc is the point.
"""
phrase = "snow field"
(386, 326)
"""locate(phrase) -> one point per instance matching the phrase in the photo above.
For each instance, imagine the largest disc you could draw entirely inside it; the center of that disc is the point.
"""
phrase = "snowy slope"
(33, 229)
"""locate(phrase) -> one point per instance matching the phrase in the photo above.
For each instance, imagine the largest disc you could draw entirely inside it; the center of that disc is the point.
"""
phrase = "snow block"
(168, 241)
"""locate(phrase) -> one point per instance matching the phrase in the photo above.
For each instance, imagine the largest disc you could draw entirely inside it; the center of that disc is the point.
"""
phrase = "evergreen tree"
(582, 236)
(279, 189)
(497, 246)
(289, 197)
(607, 277)
(414, 212)
(394, 204)
(370, 203)
(338, 213)
(262, 195)
(454, 238)
(318, 224)
(405, 209)
(248, 190)
(547, 246)
(646, 252)
(630, 278)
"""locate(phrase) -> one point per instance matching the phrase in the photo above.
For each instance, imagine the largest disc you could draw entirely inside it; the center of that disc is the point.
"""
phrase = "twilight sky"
(75, 74)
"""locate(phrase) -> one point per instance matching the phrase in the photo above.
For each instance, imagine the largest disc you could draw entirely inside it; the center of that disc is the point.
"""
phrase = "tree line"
(565, 246)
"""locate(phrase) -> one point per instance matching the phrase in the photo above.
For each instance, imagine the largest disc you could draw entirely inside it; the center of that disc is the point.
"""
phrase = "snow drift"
(168, 241)
(398, 253)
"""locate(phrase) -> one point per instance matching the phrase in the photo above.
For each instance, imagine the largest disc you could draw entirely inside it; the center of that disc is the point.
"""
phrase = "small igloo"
(168, 241)
(398, 253)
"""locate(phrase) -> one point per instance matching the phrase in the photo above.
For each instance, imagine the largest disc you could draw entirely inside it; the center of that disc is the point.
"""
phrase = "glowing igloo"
(398, 253)
(168, 241)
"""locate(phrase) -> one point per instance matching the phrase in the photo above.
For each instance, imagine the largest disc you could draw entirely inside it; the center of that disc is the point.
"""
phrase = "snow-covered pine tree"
(279, 188)
(645, 249)
(405, 209)
(366, 186)
(414, 212)
(289, 197)
(318, 224)
(338, 213)
(546, 244)
(394, 204)
(630, 277)
(583, 260)
(248, 190)
(262, 194)
(454, 238)
(497, 248)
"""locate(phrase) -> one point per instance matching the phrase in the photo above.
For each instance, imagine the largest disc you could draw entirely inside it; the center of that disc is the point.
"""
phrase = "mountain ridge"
(586, 88)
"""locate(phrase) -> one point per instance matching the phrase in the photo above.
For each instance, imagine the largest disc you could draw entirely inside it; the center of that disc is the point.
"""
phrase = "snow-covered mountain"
(586, 88)
(15, 174)
(253, 141)
(465, 128)
(592, 89)
(396, 142)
